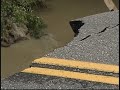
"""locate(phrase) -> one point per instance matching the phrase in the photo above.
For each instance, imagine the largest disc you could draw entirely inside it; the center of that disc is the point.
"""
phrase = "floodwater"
(57, 16)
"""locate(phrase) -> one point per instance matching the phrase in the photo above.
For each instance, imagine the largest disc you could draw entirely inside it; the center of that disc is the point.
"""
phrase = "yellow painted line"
(78, 64)
(73, 75)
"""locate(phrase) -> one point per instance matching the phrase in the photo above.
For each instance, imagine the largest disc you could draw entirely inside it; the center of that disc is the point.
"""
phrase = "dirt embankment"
(14, 33)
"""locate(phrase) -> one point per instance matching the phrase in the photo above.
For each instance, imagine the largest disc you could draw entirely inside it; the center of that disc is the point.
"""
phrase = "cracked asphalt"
(97, 41)
(99, 47)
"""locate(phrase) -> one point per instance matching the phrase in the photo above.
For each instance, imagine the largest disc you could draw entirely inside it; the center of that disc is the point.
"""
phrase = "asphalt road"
(102, 46)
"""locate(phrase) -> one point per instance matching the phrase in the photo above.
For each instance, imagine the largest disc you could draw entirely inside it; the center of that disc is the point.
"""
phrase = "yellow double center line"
(78, 64)
(75, 75)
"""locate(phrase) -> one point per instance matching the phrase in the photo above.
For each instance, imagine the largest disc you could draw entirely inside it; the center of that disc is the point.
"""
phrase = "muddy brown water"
(57, 16)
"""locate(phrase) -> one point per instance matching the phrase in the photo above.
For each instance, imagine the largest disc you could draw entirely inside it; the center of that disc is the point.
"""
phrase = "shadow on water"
(57, 16)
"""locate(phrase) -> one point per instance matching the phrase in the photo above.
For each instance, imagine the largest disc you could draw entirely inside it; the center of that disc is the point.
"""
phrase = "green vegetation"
(20, 11)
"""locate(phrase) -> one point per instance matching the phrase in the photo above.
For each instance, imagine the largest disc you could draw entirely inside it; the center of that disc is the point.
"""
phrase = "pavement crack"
(100, 31)
(115, 26)
(107, 28)
(85, 38)
(103, 30)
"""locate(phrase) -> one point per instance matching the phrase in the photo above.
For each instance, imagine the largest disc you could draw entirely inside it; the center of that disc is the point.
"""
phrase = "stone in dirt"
(15, 34)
